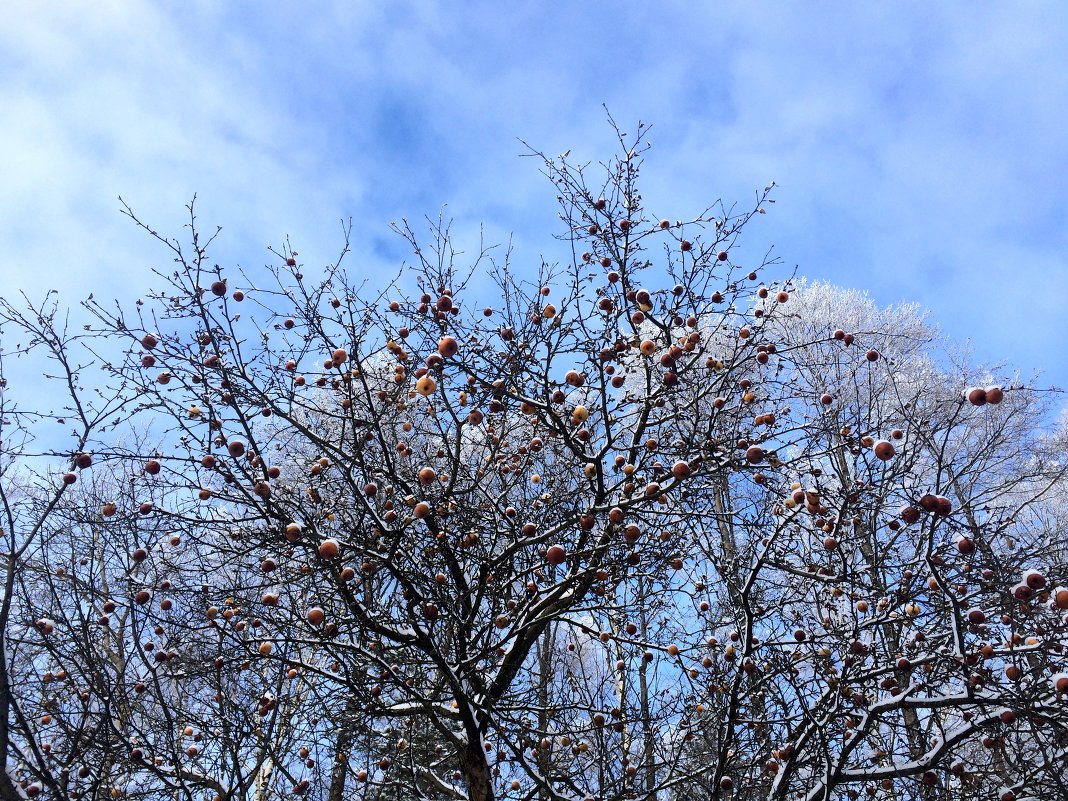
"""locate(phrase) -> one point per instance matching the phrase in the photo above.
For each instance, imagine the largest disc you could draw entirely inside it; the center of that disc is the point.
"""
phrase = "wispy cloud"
(920, 148)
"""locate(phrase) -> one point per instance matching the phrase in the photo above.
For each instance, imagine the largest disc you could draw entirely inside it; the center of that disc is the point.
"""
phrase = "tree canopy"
(657, 521)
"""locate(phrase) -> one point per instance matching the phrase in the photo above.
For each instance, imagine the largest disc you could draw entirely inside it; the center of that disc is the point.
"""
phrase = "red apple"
(448, 347)
(910, 514)
(555, 555)
(1034, 579)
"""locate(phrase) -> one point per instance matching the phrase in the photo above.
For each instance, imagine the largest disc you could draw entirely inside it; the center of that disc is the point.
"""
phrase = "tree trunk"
(340, 769)
(476, 771)
(263, 780)
(648, 733)
(546, 649)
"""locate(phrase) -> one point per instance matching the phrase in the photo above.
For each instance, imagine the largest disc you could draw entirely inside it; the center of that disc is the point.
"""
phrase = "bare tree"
(651, 524)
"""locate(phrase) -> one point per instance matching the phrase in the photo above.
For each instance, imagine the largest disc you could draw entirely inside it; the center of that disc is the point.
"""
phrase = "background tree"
(652, 525)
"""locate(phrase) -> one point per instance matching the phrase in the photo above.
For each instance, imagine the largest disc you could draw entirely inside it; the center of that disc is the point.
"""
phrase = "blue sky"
(921, 148)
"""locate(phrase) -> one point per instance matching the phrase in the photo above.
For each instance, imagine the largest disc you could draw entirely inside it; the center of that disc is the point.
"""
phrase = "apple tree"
(649, 521)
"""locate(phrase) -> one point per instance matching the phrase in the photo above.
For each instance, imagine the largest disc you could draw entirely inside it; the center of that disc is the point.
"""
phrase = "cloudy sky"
(921, 148)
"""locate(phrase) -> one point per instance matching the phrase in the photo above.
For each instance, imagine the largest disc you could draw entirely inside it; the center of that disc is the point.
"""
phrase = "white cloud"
(920, 148)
